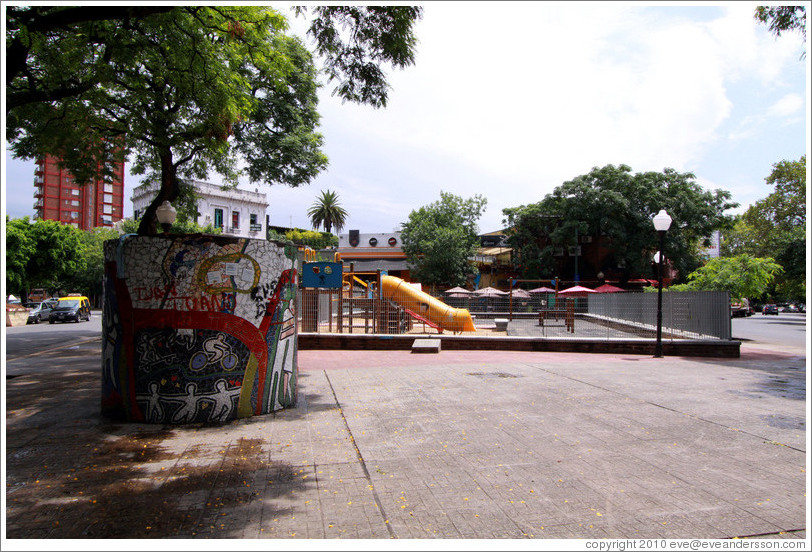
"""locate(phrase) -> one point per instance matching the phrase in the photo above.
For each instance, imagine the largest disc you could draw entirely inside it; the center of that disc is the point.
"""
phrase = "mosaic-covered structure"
(197, 328)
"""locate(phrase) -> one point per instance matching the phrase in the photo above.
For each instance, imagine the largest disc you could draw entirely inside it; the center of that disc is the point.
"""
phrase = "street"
(785, 332)
(32, 341)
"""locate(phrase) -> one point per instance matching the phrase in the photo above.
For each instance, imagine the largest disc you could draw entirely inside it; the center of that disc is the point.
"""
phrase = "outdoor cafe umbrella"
(608, 288)
(576, 290)
(457, 289)
(489, 292)
(542, 289)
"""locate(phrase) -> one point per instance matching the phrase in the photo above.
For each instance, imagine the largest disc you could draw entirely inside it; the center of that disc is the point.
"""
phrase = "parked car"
(40, 311)
(790, 308)
(70, 308)
(802, 308)
(770, 309)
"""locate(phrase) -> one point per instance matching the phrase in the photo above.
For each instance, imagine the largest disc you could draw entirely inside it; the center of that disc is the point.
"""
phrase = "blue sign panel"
(322, 275)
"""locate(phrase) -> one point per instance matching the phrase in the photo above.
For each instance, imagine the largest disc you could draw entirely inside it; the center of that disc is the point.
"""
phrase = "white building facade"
(238, 212)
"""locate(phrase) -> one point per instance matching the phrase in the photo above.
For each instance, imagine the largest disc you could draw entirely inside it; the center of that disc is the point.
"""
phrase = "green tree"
(783, 18)
(439, 238)
(182, 92)
(744, 276)
(89, 277)
(19, 248)
(616, 206)
(312, 239)
(49, 254)
(776, 227)
(327, 211)
(379, 35)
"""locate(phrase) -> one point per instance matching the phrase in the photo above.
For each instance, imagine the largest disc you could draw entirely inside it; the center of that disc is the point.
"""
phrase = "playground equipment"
(423, 306)
(334, 300)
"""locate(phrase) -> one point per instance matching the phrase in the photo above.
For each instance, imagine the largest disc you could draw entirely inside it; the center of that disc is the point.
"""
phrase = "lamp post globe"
(166, 215)
(662, 222)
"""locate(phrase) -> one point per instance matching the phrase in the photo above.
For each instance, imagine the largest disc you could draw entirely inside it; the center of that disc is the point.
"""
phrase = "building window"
(75, 203)
(75, 192)
(108, 188)
(136, 214)
(235, 219)
(255, 225)
(218, 218)
(107, 209)
(108, 198)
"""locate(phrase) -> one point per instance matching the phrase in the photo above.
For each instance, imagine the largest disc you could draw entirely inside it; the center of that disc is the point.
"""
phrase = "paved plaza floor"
(455, 445)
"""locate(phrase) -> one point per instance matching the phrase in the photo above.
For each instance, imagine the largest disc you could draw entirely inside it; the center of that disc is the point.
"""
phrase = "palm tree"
(326, 211)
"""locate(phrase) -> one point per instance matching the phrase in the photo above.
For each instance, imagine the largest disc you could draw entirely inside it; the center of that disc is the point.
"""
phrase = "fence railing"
(628, 315)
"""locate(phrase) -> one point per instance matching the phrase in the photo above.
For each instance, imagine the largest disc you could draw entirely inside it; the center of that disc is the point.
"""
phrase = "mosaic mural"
(197, 328)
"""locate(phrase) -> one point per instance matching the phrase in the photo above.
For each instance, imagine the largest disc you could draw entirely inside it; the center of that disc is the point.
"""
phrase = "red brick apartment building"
(90, 206)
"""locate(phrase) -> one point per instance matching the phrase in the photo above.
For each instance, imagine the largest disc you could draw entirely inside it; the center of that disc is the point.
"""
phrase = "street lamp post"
(166, 216)
(661, 223)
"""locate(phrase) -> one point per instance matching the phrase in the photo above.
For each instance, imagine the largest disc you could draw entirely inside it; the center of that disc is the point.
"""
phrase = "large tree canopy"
(617, 206)
(185, 91)
(744, 276)
(776, 227)
(439, 238)
(43, 253)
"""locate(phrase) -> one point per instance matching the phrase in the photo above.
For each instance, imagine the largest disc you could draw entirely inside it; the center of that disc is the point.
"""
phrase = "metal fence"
(628, 315)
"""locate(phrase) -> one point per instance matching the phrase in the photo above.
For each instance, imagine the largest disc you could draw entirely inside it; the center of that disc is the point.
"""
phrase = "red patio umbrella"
(608, 288)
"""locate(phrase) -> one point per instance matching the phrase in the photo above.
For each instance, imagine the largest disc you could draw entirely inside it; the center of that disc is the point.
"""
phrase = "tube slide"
(431, 308)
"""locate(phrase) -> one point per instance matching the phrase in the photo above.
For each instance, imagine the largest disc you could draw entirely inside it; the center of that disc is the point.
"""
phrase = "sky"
(509, 100)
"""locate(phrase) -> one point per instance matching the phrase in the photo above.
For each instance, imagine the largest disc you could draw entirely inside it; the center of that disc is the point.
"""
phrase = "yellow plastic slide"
(431, 308)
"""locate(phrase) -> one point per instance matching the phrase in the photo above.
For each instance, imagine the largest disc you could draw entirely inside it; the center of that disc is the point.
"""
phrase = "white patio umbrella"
(542, 289)
(489, 292)
(457, 290)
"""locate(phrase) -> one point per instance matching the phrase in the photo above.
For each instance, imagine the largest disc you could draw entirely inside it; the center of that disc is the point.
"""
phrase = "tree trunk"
(169, 192)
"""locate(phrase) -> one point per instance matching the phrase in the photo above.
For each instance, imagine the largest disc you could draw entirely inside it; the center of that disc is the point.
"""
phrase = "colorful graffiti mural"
(197, 328)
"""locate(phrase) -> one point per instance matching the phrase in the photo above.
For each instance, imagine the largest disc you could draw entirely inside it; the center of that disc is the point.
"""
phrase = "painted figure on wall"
(197, 328)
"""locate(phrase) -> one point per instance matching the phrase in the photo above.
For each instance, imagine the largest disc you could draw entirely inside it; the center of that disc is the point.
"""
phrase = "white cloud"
(516, 98)
(510, 99)
(789, 105)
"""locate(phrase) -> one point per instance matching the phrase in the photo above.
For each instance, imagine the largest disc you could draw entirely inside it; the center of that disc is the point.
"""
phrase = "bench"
(567, 314)
(426, 345)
